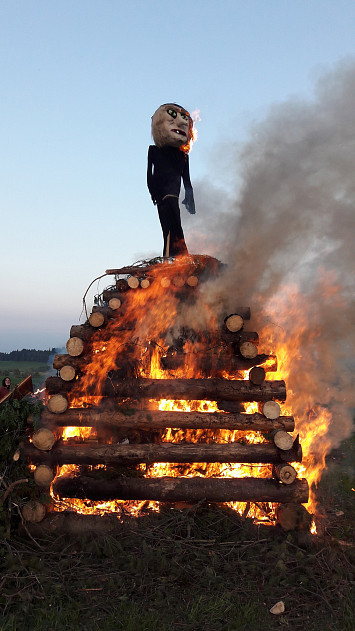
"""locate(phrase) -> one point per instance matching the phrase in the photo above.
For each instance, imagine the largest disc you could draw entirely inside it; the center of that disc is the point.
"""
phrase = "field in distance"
(19, 370)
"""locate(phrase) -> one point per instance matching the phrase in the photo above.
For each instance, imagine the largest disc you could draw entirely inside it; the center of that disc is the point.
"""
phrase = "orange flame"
(145, 332)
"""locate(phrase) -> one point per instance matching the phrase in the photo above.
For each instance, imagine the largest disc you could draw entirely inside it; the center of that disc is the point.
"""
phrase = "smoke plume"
(287, 238)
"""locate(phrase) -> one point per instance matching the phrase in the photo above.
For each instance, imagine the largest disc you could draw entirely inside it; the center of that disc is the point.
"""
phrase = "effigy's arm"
(189, 201)
(150, 177)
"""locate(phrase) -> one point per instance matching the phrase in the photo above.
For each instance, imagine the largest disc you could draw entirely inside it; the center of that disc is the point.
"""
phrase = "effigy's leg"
(169, 215)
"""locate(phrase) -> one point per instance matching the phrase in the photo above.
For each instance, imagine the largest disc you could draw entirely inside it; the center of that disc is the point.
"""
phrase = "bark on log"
(201, 389)
(293, 516)
(157, 419)
(82, 331)
(234, 338)
(109, 294)
(56, 385)
(57, 404)
(207, 360)
(122, 285)
(66, 360)
(90, 454)
(75, 346)
(187, 389)
(183, 489)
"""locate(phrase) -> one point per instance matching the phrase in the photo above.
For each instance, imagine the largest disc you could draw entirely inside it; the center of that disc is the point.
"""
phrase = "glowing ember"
(143, 336)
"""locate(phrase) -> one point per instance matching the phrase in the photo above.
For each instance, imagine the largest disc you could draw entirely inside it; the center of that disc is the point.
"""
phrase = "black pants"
(169, 215)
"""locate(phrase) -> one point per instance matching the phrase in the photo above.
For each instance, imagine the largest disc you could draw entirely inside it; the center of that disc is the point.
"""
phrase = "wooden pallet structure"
(105, 382)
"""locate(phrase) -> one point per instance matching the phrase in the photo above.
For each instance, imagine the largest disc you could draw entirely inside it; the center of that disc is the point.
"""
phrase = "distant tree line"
(27, 355)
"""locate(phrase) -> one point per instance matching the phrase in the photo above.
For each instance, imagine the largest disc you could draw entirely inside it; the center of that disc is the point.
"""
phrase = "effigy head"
(172, 126)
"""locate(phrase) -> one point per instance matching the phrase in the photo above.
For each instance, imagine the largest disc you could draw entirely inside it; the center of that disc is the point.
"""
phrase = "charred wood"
(257, 375)
(200, 389)
(158, 419)
(67, 360)
(183, 489)
(293, 516)
(91, 454)
(187, 389)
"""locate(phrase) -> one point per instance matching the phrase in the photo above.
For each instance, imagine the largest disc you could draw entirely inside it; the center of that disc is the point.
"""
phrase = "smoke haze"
(287, 238)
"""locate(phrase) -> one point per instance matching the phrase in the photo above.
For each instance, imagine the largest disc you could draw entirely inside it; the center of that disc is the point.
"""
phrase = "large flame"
(145, 331)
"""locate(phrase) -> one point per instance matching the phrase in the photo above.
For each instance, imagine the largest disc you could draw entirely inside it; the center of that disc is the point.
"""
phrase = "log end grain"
(44, 439)
(271, 409)
(43, 476)
(33, 512)
(57, 404)
(67, 373)
(97, 319)
(248, 350)
(234, 322)
(75, 346)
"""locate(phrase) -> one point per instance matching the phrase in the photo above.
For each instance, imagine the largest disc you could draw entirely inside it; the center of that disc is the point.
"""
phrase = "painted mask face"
(172, 126)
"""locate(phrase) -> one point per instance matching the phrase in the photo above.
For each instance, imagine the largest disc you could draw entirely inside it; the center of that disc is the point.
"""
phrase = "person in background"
(5, 387)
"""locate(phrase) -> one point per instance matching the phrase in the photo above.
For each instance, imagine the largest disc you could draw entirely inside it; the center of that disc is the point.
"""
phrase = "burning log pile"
(163, 411)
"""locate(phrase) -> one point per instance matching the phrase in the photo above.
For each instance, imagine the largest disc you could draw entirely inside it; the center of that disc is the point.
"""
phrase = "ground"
(198, 568)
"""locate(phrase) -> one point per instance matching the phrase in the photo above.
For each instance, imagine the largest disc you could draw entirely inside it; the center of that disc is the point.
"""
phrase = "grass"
(201, 568)
(194, 569)
(17, 371)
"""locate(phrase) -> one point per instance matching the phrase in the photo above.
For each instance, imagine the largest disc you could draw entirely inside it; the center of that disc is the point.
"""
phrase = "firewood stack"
(120, 401)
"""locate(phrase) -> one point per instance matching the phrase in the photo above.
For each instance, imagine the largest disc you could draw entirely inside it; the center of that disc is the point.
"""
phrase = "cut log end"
(97, 319)
(57, 404)
(282, 440)
(133, 282)
(165, 282)
(257, 375)
(234, 323)
(271, 409)
(43, 476)
(44, 439)
(33, 512)
(285, 473)
(75, 346)
(67, 373)
(248, 350)
(192, 281)
(114, 303)
(145, 283)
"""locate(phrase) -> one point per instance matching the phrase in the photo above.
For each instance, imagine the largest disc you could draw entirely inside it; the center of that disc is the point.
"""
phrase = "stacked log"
(128, 407)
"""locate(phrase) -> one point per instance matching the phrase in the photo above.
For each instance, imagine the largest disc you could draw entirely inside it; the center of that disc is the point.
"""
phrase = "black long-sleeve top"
(166, 167)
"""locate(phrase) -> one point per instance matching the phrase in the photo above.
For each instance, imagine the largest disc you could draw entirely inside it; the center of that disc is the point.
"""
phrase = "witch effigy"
(168, 163)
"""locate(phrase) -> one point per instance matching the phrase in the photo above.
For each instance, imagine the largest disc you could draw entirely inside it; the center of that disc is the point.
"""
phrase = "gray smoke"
(292, 223)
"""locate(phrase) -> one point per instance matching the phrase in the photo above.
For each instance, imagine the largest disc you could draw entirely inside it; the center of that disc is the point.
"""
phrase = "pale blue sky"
(79, 83)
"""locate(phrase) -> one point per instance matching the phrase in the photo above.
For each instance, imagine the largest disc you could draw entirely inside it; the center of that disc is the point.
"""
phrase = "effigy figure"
(168, 163)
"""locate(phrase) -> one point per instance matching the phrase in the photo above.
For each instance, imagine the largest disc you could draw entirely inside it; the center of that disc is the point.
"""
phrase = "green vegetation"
(200, 568)
(28, 355)
(17, 371)
(196, 569)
